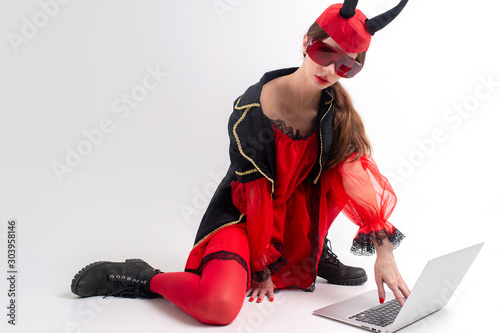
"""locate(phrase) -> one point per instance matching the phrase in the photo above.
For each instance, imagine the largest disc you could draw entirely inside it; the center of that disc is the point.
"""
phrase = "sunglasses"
(324, 55)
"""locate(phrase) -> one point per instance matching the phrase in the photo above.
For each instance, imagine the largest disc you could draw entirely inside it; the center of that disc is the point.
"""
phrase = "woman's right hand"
(386, 271)
(259, 290)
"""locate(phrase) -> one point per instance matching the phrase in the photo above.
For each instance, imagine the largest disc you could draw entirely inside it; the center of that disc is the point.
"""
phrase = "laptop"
(433, 289)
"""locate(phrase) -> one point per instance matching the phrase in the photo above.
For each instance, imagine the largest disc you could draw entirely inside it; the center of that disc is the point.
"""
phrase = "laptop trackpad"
(344, 309)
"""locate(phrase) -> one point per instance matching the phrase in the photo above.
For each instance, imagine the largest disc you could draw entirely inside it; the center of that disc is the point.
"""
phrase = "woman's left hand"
(260, 289)
(386, 271)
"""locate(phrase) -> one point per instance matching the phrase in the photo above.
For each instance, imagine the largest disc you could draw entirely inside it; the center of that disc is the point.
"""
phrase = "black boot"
(331, 269)
(125, 279)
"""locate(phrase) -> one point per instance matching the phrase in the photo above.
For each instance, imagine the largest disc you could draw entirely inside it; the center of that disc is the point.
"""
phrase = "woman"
(265, 226)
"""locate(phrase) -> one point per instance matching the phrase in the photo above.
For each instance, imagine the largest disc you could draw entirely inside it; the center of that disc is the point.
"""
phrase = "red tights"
(215, 297)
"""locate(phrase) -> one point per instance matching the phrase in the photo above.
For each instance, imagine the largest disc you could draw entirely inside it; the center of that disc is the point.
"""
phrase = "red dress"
(357, 188)
(286, 220)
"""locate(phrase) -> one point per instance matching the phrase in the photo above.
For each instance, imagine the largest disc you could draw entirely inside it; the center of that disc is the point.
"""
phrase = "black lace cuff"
(261, 276)
(363, 245)
(272, 268)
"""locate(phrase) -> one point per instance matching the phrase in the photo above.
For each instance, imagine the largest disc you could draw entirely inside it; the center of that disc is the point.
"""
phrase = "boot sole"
(85, 269)
(349, 282)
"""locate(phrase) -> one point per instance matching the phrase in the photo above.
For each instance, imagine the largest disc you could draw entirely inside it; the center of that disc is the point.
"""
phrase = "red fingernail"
(271, 299)
(251, 299)
(381, 300)
(259, 300)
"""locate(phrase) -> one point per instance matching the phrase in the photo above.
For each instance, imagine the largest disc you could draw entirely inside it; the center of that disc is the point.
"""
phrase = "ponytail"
(348, 130)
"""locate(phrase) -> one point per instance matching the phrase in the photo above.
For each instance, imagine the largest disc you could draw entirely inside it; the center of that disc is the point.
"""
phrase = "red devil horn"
(380, 21)
(348, 9)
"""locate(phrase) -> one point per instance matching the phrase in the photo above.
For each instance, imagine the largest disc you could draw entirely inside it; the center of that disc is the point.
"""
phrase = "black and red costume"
(278, 192)
(270, 214)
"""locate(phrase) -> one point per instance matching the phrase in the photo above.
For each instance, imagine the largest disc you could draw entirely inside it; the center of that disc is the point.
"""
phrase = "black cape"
(252, 152)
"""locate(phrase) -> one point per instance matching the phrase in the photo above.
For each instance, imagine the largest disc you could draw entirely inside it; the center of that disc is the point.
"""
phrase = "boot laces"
(332, 257)
(125, 286)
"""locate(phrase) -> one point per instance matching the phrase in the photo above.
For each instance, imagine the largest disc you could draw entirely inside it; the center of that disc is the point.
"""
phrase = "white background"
(142, 188)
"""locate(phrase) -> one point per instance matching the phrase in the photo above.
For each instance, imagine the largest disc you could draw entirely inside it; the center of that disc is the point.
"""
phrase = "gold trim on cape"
(247, 108)
(219, 228)
(245, 172)
(321, 137)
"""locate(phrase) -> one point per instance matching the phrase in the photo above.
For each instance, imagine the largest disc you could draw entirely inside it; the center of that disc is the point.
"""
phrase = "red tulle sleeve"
(254, 199)
(368, 200)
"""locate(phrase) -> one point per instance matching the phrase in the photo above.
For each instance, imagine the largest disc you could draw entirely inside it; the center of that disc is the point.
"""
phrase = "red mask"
(324, 55)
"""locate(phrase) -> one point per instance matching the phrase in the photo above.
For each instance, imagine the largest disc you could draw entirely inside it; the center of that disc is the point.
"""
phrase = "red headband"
(350, 28)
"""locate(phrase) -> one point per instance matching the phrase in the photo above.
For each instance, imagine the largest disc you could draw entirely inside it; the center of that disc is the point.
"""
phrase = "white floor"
(46, 304)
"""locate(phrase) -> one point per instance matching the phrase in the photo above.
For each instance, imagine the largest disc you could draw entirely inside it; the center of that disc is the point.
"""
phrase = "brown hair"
(348, 129)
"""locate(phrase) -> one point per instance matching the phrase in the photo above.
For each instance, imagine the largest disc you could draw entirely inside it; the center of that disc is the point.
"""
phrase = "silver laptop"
(431, 292)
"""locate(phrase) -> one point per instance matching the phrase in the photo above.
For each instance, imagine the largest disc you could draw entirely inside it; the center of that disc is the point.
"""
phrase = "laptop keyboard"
(381, 316)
